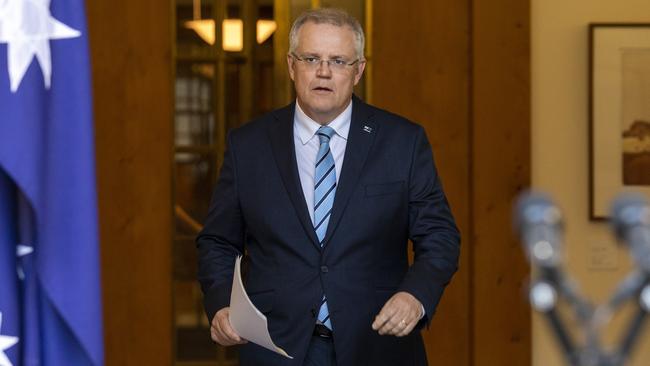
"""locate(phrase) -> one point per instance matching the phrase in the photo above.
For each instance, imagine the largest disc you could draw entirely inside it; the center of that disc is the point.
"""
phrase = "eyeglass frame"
(330, 62)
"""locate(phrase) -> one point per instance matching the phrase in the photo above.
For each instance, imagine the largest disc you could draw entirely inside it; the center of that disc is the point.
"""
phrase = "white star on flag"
(27, 27)
(21, 251)
(6, 342)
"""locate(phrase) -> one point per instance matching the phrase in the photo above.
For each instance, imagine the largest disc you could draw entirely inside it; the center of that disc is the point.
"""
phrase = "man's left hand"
(399, 315)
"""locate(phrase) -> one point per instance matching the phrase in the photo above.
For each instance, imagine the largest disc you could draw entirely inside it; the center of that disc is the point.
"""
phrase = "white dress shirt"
(306, 144)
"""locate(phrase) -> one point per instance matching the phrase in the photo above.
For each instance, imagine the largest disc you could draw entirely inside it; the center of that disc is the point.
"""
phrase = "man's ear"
(290, 62)
(360, 67)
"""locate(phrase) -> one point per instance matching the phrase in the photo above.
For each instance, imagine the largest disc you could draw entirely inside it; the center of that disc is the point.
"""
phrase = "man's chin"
(321, 107)
(320, 114)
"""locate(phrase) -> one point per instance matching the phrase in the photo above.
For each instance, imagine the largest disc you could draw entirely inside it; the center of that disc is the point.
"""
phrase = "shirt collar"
(307, 127)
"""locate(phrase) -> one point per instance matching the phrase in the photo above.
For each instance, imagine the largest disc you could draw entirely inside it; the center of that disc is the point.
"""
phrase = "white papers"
(245, 319)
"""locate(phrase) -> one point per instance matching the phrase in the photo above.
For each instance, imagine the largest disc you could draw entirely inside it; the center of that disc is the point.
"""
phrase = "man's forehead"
(325, 26)
(326, 37)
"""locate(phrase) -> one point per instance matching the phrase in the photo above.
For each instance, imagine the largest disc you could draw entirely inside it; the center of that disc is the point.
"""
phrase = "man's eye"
(312, 60)
(338, 62)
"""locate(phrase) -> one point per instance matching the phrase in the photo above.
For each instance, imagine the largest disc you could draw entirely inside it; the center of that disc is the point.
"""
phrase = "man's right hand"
(222, 332)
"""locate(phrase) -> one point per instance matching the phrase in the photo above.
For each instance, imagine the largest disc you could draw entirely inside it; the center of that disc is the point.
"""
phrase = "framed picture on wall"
(619, 113)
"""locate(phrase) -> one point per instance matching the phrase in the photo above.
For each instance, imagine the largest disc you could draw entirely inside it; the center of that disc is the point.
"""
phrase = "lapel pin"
(367, 129)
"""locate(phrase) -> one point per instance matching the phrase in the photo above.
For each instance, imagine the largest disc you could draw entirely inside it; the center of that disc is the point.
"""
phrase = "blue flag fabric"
(50, 295)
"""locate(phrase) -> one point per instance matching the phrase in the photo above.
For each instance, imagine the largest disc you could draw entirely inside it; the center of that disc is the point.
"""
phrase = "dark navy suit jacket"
(388, 192)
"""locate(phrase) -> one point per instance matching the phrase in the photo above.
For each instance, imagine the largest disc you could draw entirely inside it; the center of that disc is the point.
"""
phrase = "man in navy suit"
(324, 196)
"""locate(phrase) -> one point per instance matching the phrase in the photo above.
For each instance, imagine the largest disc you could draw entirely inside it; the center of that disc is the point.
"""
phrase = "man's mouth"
(322, 89)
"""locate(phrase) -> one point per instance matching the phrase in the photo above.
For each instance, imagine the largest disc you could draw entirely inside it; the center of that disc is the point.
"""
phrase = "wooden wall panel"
(461, 70)
(130, 45)
(420, 71)
(501, 169)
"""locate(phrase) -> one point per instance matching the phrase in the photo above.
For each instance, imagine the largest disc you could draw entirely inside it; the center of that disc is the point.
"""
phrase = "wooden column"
(130, 44)
(500, 144)
(282, 85)
(421, 72)
(461, 69)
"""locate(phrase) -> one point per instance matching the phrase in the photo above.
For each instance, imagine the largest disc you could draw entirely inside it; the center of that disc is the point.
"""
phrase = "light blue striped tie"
(324, 190)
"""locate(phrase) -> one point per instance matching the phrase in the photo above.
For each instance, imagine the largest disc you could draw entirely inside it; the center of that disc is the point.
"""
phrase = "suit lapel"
(281, 135)
(360, 138)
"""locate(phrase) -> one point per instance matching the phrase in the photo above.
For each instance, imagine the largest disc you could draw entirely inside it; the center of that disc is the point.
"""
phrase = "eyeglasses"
(312, 62)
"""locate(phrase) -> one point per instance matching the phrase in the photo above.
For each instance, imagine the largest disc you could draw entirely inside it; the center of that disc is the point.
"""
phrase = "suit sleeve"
(222, 238)
(432, 229)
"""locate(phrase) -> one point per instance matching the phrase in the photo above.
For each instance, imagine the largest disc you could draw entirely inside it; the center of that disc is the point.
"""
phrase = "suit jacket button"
(324, 269)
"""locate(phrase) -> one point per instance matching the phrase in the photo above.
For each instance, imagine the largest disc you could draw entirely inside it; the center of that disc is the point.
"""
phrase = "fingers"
(392, 321)
(407, 328)
(221, 331)
(387, 319)
(399, 315)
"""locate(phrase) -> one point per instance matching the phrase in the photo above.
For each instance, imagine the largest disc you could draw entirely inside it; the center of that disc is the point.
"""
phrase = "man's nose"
(324, 69)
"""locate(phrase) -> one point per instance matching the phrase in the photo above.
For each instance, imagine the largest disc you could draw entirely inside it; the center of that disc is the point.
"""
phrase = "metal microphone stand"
(541, 226)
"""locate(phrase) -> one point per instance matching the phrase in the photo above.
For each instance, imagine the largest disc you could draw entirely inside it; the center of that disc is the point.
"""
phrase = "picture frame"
(619, 113)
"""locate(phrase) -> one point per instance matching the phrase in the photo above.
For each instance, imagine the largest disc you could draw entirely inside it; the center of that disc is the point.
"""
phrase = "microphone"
(630, 215)
(541, 227)
(631, 223)
(539, 223)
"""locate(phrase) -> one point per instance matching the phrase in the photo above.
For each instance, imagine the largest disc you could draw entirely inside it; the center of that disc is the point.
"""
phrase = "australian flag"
(50, 295)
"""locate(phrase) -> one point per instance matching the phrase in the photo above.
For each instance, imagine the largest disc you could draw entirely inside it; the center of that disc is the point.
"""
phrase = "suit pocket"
(263, 300)
(383, 189)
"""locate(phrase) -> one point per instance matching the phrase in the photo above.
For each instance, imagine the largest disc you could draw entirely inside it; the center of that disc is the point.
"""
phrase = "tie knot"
(325, 133)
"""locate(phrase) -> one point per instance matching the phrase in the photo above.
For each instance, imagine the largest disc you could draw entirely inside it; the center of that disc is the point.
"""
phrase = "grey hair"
(331, 16)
